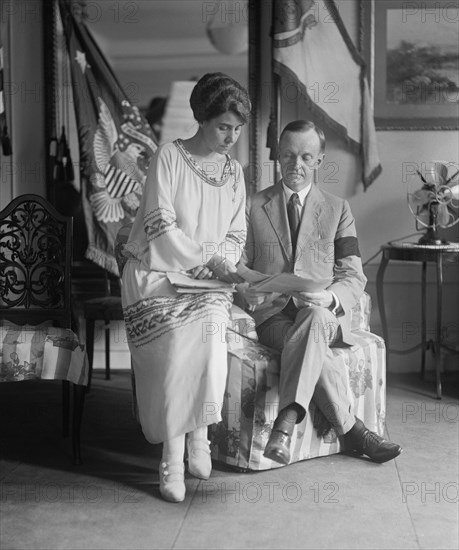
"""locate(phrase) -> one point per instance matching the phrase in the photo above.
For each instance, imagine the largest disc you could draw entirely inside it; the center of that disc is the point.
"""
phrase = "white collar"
(301, 194)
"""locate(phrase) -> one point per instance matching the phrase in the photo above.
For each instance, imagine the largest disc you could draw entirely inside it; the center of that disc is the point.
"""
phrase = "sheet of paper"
(284, 283)
(187, 290)
(250, 275)
(182, 281)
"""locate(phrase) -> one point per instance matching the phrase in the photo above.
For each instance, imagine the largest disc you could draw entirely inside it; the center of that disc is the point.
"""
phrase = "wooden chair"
(106, 308)
(36, 337)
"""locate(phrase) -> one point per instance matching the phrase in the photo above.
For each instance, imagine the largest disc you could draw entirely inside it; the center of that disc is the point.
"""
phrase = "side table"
(413, 252)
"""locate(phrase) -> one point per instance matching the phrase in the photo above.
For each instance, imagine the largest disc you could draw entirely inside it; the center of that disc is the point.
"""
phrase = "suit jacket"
(327, 248)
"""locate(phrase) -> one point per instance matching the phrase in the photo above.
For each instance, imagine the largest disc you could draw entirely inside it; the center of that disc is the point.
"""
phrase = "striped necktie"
(293, 213)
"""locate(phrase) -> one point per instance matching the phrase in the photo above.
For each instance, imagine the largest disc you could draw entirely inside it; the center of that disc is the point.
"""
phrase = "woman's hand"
(201, 272)
(226, 271)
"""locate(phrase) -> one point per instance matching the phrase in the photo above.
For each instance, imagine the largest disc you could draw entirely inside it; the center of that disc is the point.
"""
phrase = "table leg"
(438, 322)
(78, 404)
(424, 319)
(65, 407)
(107, 350)
(382, 310)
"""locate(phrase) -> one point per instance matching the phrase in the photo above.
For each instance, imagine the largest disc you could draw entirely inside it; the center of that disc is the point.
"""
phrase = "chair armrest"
(360, 314)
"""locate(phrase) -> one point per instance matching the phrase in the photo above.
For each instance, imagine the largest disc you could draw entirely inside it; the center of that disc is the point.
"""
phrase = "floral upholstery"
(361, 314)
(251, 397)
(32, 352)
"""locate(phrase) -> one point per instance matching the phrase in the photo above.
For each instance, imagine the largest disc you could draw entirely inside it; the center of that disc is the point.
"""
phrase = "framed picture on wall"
(412, 55)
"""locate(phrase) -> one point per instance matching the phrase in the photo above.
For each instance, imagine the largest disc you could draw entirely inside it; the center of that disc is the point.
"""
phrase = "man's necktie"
(293, 212)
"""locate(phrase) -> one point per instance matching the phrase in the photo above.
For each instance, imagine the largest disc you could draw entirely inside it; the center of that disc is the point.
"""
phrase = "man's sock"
(287, 418)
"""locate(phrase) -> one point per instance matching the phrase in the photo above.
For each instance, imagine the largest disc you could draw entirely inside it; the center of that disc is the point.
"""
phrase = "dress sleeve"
(169, 248)
(234, 242)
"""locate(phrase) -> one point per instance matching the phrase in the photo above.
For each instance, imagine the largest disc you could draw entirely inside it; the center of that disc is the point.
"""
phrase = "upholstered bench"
(251, 398)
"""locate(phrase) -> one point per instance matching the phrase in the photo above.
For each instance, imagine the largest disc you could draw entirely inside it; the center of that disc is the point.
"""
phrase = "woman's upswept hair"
(218, 93)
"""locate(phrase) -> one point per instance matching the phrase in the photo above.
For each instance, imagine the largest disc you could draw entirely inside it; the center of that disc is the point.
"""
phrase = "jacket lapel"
(277, 213)
(309, 224)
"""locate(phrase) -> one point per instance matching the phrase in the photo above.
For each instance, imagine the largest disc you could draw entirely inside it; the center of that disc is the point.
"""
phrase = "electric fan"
(436, 203)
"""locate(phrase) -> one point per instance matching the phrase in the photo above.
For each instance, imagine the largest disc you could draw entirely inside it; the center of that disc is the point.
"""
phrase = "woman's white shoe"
(172, 481)
(199, 461)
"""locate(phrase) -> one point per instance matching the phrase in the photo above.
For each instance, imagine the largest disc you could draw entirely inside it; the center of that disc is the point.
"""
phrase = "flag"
(312, 48)
(4, 137)
(116, 142)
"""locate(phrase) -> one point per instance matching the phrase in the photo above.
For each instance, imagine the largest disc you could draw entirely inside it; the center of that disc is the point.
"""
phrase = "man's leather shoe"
(366, 442)
(278, 447)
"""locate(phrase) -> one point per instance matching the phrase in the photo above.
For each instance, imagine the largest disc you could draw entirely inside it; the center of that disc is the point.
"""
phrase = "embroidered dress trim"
(158, 222)
(236, 237)
(151, 318)
(228, 169)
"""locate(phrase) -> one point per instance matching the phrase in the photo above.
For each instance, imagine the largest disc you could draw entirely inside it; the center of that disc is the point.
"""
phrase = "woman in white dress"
(191, 220)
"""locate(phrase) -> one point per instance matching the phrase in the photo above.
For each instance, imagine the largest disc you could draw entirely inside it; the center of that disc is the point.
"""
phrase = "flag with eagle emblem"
(116, 142)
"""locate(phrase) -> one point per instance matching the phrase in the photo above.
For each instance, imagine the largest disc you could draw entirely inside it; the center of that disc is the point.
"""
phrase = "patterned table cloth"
(251, 398)
(31, 352)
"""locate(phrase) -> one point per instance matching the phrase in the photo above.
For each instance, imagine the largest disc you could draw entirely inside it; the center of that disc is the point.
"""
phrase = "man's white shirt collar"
(301, 194)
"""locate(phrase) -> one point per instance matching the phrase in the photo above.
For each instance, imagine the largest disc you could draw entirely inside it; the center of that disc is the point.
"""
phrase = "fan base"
(429, 240)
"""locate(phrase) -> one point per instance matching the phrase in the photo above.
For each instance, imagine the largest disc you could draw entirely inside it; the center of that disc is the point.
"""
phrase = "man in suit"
(294, 227)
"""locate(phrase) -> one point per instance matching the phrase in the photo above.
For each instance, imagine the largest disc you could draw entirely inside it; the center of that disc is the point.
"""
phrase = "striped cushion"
(251, 397)
(44, 352)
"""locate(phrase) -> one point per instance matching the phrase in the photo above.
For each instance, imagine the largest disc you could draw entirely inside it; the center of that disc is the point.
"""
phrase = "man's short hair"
(304, 126)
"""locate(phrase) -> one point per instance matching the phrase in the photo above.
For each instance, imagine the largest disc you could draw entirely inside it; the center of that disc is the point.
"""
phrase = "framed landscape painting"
(412, 55)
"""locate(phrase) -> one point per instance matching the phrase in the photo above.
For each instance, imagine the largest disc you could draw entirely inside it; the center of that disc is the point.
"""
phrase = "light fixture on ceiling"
(227, 27)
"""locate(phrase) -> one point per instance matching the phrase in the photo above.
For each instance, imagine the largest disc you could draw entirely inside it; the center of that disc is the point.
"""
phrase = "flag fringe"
(367, 181)
(102, 259)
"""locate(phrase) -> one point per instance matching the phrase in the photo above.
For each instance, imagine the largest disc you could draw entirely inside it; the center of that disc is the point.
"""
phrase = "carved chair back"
(35, 262)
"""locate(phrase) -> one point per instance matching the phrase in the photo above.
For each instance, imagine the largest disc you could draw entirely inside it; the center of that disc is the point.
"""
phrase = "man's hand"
(324, 298)
(253, 297)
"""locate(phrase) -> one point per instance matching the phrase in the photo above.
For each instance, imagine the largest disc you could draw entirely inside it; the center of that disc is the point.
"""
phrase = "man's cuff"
(336, 305)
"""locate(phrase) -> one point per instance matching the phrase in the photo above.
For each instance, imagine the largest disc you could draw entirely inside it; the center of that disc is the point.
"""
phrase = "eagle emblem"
(121, 160)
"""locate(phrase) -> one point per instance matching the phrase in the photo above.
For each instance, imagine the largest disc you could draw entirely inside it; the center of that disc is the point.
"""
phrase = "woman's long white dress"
(177, 341)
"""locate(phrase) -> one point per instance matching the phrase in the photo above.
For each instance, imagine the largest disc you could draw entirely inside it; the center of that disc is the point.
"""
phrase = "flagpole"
(273, 127)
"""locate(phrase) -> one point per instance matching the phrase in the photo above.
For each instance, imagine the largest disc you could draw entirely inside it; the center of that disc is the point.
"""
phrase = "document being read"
(283, 283)
(184, 283)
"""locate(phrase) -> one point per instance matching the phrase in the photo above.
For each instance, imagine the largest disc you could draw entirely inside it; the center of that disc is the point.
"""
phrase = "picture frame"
(410, 49)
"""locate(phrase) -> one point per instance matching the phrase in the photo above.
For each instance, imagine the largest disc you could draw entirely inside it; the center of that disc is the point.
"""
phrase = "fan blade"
(442, 215)
(422, 197)
(439, 173)
(455, 191)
